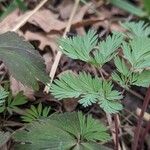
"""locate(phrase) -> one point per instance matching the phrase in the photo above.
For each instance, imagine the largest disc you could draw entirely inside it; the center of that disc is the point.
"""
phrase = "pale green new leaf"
(137, 29)
(121, 66)
(79, 47)
(109, 98)
(61, 131)
(143, 79)
(24, 63)
(137, 52)
(107, 49)
(4, 137)
(89, 90)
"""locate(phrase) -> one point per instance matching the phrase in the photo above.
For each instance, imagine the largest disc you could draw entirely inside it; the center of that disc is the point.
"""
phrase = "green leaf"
(137, 29)
(143, 79)
(137, 52)
(127, 6)
(107, 49)
(19, 99)
(121, 66)
(79, 47)
(147, 5)
(35, 113)
(3, 95)
(24, 63)
(62, 131)
(4, 137)
(89, 90)
(12, 6)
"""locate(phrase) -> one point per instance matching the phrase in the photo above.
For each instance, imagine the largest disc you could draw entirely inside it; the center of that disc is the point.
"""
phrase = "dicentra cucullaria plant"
(132, 68)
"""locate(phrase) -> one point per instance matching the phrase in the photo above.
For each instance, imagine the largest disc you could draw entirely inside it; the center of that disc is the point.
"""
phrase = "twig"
(138, 129)
(116, 132)
(59, 53)
(27, 17)
(147, 129)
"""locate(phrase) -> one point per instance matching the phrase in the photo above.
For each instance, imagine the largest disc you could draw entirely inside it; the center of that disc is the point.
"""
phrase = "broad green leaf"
(62, 132)
(24, 63)
(19, 99)
(127, 6)
(147, 5)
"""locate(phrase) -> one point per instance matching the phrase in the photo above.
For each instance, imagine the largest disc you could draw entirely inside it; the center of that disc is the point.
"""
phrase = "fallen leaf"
(17, 87)
(49, 22)
(65, 9)
(45, 40)
(9, 21)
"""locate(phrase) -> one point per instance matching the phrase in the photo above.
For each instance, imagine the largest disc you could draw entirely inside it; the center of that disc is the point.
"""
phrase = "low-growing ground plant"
(130, 52)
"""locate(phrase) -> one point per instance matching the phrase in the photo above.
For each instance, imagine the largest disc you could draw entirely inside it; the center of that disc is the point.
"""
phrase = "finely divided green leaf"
(79, 47)
(23, 62)
(137, 29)
(137, 52)
(107, 49)
(89, 90)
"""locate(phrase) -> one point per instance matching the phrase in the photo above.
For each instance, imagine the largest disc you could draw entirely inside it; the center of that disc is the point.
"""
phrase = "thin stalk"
(109, 118)
(138, 129)
(116, 132)
(147, 129)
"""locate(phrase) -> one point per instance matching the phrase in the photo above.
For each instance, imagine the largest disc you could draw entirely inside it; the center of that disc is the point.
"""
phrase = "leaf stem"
(109, 118)
(139, 126)
(116, 132)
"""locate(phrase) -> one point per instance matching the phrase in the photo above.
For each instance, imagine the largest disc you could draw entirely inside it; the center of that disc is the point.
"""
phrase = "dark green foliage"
(24, 63)
(64, 132)
(35, 113)
(11, 104)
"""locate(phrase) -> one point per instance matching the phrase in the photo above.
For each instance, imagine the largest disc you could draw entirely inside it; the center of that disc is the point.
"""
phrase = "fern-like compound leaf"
(89, 90)
(79, 47)
(137, 52)
(107, 49)
(137, 29)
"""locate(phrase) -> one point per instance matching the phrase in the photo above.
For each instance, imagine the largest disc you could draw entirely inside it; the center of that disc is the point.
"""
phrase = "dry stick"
(27, 17)
(116, 132)
(59, 53)
(139, 126)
